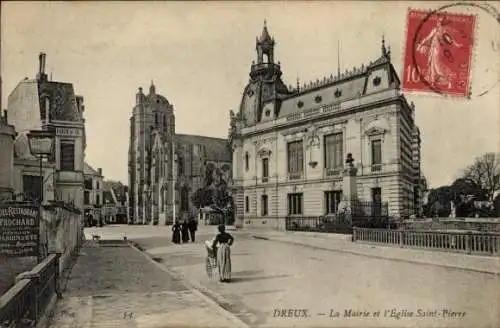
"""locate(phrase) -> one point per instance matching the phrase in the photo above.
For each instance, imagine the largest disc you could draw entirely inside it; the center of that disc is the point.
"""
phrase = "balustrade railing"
(465, 242)
(26, 302)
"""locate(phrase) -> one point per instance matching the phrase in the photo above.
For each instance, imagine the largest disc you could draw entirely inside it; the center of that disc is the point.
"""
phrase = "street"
(276, 284)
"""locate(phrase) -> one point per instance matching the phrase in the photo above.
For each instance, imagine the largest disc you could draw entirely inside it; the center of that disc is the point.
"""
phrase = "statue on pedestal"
(350, 169)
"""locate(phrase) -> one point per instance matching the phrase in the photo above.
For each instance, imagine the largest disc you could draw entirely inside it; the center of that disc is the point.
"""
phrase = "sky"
(199, 54)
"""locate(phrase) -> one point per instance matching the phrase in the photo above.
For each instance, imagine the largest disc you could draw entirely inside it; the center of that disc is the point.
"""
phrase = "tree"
(201, 198)
(484, 174)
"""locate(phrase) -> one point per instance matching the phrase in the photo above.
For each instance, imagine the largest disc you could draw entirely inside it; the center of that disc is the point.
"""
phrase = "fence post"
(401, 238)
(354, 231)
(468, 241)
(57, 279)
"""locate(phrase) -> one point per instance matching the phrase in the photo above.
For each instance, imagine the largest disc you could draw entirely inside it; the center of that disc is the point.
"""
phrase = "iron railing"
(26, 302)
(463, 242)
(318, 224)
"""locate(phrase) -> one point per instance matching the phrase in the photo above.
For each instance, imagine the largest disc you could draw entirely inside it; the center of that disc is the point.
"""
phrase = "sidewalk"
(343, 243)
(115, 285)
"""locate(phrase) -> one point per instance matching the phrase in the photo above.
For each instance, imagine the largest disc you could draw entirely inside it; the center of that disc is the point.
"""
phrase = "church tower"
(152, 127)
(262, 97)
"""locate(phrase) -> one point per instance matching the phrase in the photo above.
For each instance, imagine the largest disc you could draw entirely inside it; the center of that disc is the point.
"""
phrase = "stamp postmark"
(438, 52)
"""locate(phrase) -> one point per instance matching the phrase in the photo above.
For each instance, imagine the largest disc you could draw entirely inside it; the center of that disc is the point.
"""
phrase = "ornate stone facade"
(166, 168)
(290, 144)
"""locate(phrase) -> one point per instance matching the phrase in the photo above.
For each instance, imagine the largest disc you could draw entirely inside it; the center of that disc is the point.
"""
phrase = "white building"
(290, 144)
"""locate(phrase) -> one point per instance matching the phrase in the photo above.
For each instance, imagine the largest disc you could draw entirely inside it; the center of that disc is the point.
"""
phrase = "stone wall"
(63, 228)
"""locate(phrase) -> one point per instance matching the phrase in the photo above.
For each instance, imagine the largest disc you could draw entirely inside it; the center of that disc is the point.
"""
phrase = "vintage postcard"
(249, 164)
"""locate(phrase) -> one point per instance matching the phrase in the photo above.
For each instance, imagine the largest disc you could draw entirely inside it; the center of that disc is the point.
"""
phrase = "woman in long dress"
(185, 231)
(222, 243)
(176, 233)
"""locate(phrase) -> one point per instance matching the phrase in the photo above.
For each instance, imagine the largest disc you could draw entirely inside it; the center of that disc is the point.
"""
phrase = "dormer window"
(318, 99)
(300, 104)
(338, 93)
(250, 93)
(376, 81)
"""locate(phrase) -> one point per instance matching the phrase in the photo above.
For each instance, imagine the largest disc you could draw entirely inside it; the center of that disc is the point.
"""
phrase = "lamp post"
(41, 143)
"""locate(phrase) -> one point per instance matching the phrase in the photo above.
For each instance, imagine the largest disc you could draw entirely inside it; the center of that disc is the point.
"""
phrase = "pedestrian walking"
(211, 260)
(222, 244)
(185, 231)
(193, 226)
(176, 233)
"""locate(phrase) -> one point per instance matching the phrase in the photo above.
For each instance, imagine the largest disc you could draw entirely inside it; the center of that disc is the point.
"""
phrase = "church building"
(290, 144)
(166, 168)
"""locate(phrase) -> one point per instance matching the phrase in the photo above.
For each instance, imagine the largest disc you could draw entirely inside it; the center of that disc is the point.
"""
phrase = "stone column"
(349, 188)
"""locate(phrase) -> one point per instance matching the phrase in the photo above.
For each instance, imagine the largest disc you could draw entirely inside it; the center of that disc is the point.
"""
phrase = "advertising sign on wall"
(19, 230)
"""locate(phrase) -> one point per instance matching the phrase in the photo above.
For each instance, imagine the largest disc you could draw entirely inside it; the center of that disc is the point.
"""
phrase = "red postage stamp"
(438, 52)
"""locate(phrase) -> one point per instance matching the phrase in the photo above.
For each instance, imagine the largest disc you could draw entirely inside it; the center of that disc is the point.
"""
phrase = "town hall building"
(290, 144)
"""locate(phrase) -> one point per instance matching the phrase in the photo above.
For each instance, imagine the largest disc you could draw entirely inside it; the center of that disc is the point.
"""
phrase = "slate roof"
(62, 100)
(348, 88)
(89, 170)
(107, 197)
(217, 149)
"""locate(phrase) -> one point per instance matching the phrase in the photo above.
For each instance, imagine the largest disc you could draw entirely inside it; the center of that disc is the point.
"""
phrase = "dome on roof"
(157, 99)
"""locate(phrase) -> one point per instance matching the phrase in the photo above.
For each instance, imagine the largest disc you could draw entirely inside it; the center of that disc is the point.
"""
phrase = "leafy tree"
(201, 198)
(484, 174)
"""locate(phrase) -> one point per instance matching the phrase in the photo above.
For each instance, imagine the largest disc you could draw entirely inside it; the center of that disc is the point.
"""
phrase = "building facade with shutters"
(167, 168)
(290, 143)
(93, 198)
(43, 104)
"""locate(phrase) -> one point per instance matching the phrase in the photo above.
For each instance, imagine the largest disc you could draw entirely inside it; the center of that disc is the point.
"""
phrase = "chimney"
(99, 170)
(41, 69)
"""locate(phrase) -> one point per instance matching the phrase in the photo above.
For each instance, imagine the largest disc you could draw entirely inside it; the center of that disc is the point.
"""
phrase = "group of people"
(184, 231)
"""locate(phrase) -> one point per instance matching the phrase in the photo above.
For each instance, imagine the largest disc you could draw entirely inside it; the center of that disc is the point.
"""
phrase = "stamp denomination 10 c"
(438, 52)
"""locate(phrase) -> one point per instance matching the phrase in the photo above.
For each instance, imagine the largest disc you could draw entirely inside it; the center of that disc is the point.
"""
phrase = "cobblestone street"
(114, 285)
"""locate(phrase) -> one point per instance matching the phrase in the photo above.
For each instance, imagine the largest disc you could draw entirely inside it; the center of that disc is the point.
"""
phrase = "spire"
(265, 37)
(338, 58)
(384, 50)
(152, 88)
(298, 84)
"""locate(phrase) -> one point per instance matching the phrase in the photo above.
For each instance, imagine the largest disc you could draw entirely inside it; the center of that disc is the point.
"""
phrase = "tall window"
(332, 200)
(265, 169)
(32, 185)
(88, 184)
(376, 155)
(295, 203)
(263, 204)
(86, 197)
(334, 151)
(247, 204)
(67, 156)
(247, 160)
(98, 199)
(295, 157)
(184, 199)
